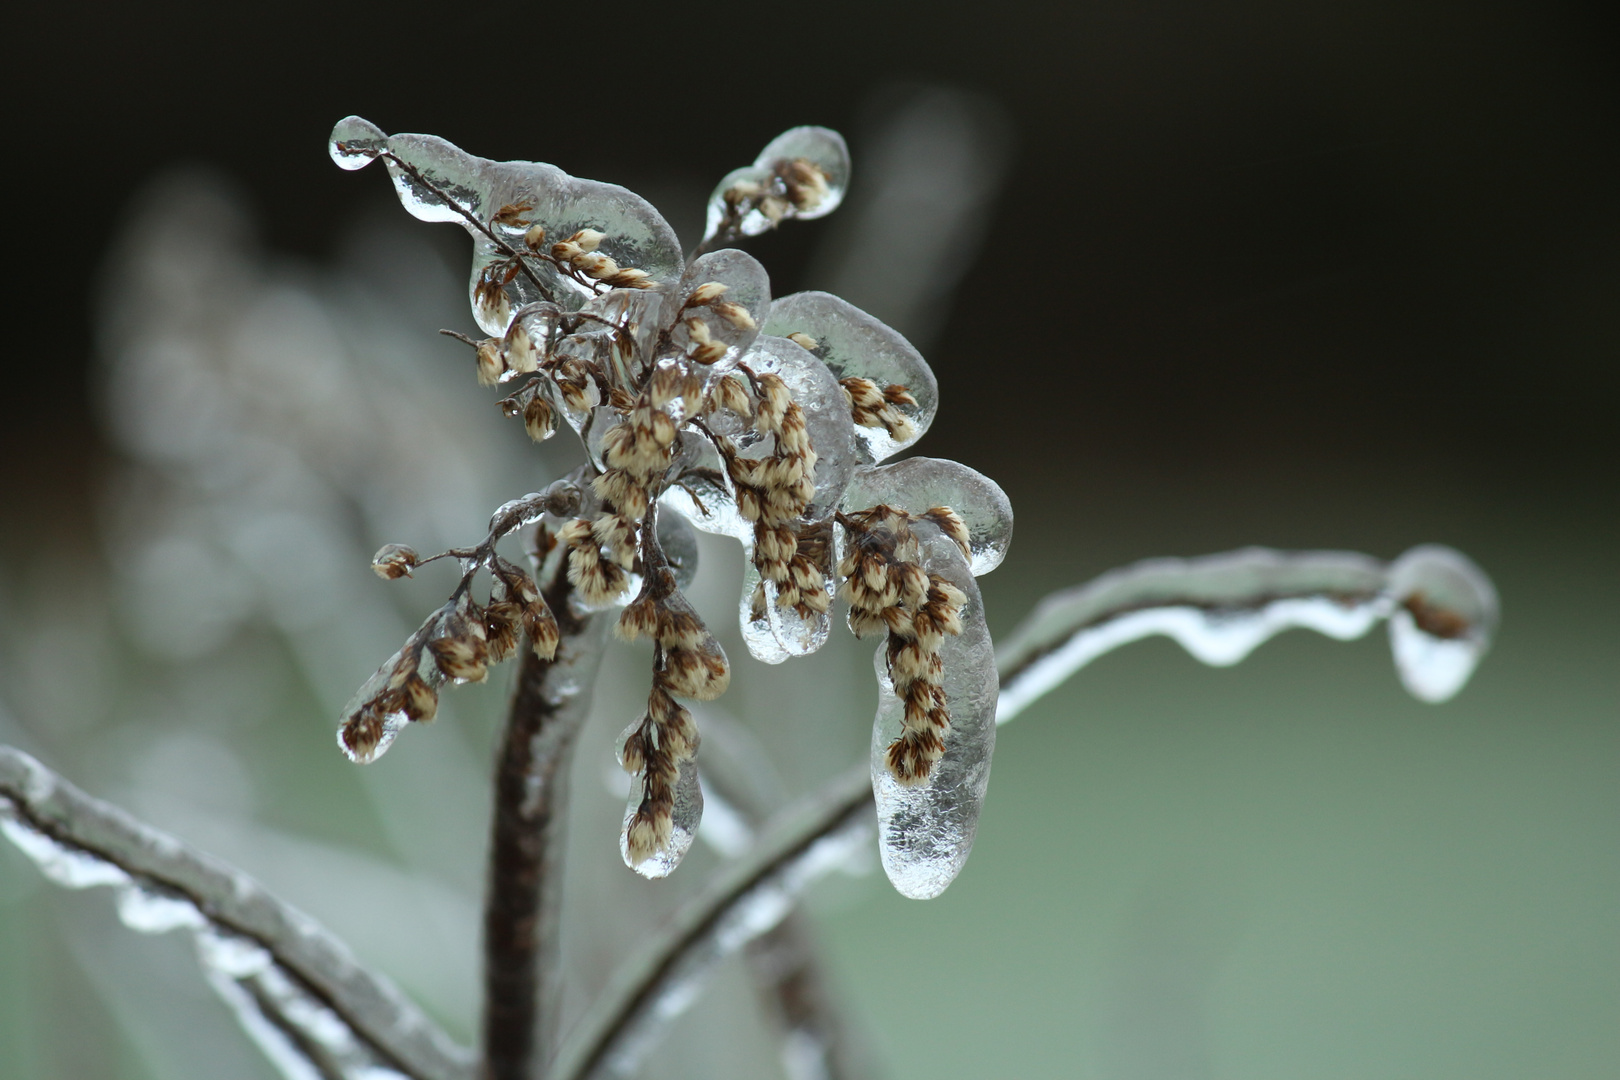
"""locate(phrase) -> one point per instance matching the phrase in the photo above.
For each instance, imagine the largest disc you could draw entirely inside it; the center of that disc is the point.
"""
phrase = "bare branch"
(296, 989)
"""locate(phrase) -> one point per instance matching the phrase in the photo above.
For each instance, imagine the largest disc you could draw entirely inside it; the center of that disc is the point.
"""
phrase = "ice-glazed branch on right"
(1441, 610)
(297, 990)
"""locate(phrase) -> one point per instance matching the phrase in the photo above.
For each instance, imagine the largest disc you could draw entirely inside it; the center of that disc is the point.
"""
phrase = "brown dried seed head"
(587, 239)
(702, 676)
(520, 353)
(736, 315)
(804, 341)
(632, 756)
(539, 419)
(461, 658)
(394, 561)
(648, 833)
(489, 363)
(640, 618)
(502, 618)
(706, 293)
(419, 700)
(361, 733)
(541, 626)
(535, 237)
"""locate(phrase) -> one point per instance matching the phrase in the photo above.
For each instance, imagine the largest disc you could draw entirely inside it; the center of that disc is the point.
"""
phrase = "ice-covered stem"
(1441, 607)
(746, 898)
(294, 986)
(524, 899)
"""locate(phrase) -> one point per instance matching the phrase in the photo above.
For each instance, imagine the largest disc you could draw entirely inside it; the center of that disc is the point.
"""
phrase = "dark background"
(1237, 235)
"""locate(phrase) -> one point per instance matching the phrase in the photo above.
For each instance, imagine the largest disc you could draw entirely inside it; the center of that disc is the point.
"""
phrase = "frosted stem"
(521, 909)
(296, 989)
(747, 898)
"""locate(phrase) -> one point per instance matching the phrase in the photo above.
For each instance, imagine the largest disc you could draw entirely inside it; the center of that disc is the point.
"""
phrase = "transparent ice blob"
(747, 286)
(925, 833)
(821, 147)
(1446, 611)
(427, 171)
(688, 813)
(832, 433)
(919, 484)
(853, 344)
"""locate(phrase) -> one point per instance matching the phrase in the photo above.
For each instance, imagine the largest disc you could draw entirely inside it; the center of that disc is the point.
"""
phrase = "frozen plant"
(699, 402)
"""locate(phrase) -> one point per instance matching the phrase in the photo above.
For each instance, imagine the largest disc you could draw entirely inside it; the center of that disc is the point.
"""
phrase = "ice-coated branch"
(299, 993)
(1440, 607)
(747, 898)
(524, 899)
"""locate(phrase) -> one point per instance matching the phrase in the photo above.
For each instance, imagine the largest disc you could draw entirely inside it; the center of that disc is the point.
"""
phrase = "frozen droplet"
(355, 142)
(926, 832)
(1445, 615)
(919, 484)
(427, 171)
(817, 393)
(753, 615)
(64, 865)
(731, 318)
(152, 911)
(232, 955)
(802, 173)
(853, 344)
(687, 814)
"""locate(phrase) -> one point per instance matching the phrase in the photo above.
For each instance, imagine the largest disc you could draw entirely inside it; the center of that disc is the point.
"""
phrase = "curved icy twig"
(1441, 610)
(299, 993)
(747, 898)
(1223, 605)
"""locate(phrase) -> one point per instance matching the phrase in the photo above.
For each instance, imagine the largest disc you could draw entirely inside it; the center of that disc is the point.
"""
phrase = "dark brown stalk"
(525, 863)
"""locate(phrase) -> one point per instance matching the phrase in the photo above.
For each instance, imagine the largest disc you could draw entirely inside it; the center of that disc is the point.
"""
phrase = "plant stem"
(524, 895)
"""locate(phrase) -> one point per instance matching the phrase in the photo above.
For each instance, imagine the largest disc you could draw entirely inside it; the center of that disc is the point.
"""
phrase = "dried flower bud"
(588, 239)
(804, 341)
(706, 293)
(736, 315)
(539, 420)
(535, 237)
(489, 362)
(394, 561)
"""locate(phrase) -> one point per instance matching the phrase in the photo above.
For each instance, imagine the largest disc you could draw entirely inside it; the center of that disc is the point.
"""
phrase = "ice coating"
(747, 286)
(832, 433)
(798, 634)
(855, 345)
(679, 545)
(1221, 607)
(919, 484)
(821, 147)
(688, 813)
(634, 233)
(1445, 614)
(926, 832)
(392, 723)
(294, 988)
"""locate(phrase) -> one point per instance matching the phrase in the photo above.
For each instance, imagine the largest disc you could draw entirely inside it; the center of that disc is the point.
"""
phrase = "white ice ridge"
(297, 990)
(1441, 610)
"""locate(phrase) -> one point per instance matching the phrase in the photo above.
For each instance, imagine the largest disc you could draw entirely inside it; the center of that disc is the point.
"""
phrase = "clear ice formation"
(636, 235)
(1441, 610)
(822, 147)
(919, 484)
(926, 832)
(855, 345)
(295, 989)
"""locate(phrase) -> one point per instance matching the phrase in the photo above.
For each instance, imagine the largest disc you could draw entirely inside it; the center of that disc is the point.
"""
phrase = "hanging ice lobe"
(926, 832)
(817, 393)
(425, 168)
(919, 484)
(775, 188)
(687, 814)
(733, 317)
(1446, 612)
(853, 344)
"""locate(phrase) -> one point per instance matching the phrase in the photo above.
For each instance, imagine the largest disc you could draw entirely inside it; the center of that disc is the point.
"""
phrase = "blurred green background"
(1312, 275)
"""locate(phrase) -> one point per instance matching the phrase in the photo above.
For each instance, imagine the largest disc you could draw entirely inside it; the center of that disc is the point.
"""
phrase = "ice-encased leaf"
(853, 344)
(832, 433)
(821, 147)
(297, 991)
(926, 832)
(423, 166)
(919, 484)
(1446, 612)
(687, 814)
(747, 285)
